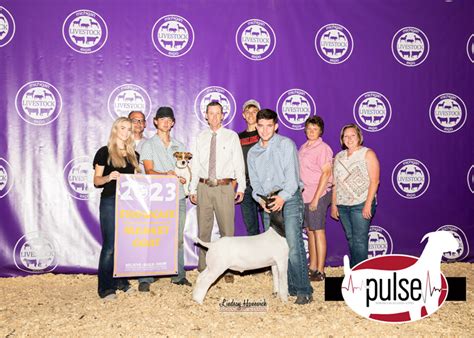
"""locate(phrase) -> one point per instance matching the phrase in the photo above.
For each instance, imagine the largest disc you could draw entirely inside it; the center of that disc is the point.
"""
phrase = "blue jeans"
(298, 281)
(249, 209)
(356, 228)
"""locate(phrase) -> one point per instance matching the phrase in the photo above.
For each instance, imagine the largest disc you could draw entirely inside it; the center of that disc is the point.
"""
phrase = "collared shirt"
(163, 160)
(274, 167)
(229, 158)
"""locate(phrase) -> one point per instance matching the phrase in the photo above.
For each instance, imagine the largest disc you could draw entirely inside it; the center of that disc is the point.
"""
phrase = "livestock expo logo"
(295, 106)
(172, 35)
(410, 46)
(255, 39)
(399, 288)
(85, 31)
(215, 94)
(126, 98)
(7, 27)
(35, 252)
(470, 179)
(448, 113)
(6, 177)
(372, 111)
(410, 178)
(78, 177)
(334, 43)
(38, 102)
(470, 48)
(380, 241)
(463, 244)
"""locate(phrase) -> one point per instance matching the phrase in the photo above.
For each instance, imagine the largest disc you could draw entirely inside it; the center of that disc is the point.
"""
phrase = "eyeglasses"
(138, 121)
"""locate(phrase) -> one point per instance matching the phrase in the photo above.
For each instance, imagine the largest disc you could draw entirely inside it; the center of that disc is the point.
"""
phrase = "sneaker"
(144, 287)
(318, 276)
(182, 281)
(302, 300)
(129, 290)
(109, 297)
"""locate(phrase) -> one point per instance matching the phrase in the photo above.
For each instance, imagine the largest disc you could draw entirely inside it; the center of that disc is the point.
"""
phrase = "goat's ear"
(425, 237)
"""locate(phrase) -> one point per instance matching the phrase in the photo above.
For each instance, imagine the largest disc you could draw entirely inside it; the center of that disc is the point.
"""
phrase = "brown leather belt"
(215, 182)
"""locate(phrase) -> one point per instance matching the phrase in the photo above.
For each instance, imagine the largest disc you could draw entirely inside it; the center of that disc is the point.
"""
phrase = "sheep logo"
(6, 177)
(35, 253)
(372, 111)
(126, 98)
(172, 35)
(470, 48)
(7, 27)
(85, 31)
(380, 241)
(334, 43)
(78, 177)
(463, 244)
(399, 288)
(410, 178)
(470, 179)
(215, 94)
(294, 107)
(448, 113)
(38, 103)
(410, 46)
(255, 39)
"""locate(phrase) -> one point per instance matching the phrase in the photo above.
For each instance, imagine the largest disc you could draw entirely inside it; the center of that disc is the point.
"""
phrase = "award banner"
(146, 226)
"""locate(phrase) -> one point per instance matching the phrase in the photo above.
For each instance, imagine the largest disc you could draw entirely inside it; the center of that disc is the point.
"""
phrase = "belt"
(215, 182)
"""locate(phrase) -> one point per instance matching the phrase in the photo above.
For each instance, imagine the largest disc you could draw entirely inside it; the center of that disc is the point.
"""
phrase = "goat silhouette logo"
(172, 35)
(78, 177)
(35, 252)
(126, 98)
(334, 43)
(448, 113)
(85, 31)
(462, 250)
(293, 107)
(410, 46)
(6, 177)
(399, 288)
(410, 178)
(380, 241)
(372, 111)
(255, 39)
(215, 94)
(470, 48)
(470, 179)
(38, 103)
(7, 27)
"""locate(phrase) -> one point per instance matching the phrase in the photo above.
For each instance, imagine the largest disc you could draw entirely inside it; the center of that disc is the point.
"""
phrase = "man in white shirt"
(138, 127)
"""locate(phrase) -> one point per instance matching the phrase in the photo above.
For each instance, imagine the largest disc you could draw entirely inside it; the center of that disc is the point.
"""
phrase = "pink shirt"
(312, 159)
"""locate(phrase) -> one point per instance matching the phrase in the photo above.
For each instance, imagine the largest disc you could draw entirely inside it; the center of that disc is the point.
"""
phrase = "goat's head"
(444, 240)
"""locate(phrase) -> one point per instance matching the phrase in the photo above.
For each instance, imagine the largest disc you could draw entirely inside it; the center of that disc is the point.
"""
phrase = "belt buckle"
(212, 182)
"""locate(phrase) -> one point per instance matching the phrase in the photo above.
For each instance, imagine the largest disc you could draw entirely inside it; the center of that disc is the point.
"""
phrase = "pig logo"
(6, 177)
(399, 288)
(380, 241)
(255, 39)
(85, 31)
(410, 178)
(78, 177)
(126, 98)
(448, 113)
(7, 27)
(463, 244)
(35, 252)
(215, 94)
(334, 43)
(410, 46)
(294, 107)
(470, 48)
(372, 111)
(172, 35)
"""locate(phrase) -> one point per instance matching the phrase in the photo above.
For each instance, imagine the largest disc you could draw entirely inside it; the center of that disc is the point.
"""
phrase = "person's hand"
(277, 203)
(114, 175)
(171, 172)
(193, 198)
(313, 206)
(366, 211)
(182, 180)
(239, 196)
(334, 212)
(263, 205)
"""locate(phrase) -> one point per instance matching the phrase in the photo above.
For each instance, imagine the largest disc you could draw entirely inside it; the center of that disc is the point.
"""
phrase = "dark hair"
(317, 121)
(212, 104)
(267, 114)
(358, 132)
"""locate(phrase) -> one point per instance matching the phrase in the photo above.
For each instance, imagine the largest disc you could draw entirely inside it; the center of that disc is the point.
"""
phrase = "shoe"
(311, 272)
(229, 278)
(182, 281)
(109, 297)
(302, 300)
(317, 276)
(144, 287)
(129, 290)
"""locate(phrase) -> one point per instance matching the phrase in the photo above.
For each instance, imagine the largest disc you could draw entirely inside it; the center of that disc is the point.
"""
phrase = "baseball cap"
(251, 102)
(164, 112)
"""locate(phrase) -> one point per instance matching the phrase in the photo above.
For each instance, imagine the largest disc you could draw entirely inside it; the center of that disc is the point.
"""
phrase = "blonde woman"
(117, 157)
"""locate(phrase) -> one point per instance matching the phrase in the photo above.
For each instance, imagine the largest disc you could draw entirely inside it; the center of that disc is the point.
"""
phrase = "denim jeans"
(356, 228)
(298, 281)
(249, 209)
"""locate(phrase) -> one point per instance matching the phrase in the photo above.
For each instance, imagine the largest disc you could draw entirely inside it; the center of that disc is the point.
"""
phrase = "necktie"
(212, 157)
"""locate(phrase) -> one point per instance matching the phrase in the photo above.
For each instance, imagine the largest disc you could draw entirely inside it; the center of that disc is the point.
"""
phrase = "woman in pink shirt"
(315, 159)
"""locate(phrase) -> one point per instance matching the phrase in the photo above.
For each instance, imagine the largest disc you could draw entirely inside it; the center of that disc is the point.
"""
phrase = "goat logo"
(463, 244)
(85, 31)
(172, 35)
(410, 46)
(7, 27)
(38, 103)
(448, 113)
(295, 106)
(380, 241)
(78, 177)
(334, 43)
(255, 39)
(410, 178)
(215, 94)
(372, 111)
(126, 98)
(399, 288)
(470, 48)
(35, 252)
(6, 177)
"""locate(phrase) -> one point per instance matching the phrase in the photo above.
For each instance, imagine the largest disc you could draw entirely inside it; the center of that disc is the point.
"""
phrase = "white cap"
(251, 102)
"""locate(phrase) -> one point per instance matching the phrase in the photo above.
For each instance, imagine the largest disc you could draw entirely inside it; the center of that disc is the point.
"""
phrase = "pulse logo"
(399, 288)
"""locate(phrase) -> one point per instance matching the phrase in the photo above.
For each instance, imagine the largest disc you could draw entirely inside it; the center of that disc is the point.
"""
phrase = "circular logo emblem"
(380, 242)
(410, 178)
(78, 177)
(294, 107)
(448, 113)
(38, 103)
(35, 253)
(410, 46)
(470, 179)
(372, 111)
(470, 48)
(334, 43)
(463, 249)
(172, 35)
(6, 177)
(255, 39)
(7, 27)
(126, 98)
(85, 31)
(218, 94)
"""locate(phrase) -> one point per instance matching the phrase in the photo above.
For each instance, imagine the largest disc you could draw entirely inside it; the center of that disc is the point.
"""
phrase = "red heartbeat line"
(351, 286)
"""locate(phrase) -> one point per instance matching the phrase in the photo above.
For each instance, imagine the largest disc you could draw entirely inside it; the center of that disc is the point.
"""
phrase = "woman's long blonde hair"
(115, 155)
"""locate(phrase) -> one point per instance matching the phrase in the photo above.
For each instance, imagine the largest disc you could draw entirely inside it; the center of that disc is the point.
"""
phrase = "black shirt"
(247, 140)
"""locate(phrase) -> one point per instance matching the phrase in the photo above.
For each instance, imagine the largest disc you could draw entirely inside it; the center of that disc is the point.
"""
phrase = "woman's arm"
(373, 168)
(100, 180)
(334, 211)
(322, 184)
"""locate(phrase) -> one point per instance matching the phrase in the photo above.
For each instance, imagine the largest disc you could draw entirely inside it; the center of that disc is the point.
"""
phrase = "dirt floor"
(68, 305)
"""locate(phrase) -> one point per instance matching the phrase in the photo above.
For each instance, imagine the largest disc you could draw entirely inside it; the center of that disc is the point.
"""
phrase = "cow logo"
(470, 179)
(399, 288)
(448, 113)
(470, 48)
(172, 35)
(6, 177)
(380, 242)
(372, 111)
(85, 31)
(35, 252)
(294, 107)
(410, 178)
(78, 177)
(255, 39)
(38, 102)
(215, 94)
(410, 46)
(7, 27)
(462, 251)
(126, 98)
(334, 43)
